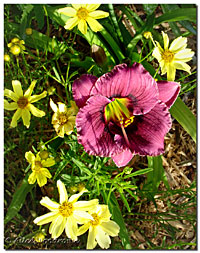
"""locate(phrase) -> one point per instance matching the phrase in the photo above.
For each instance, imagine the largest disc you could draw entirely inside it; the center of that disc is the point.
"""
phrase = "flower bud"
(39, 237)
(81, 186)
(29, 31)
(147, 35)
(44, 154)
(6, 57)
(15, 50)
(73, 189)
(98, 55)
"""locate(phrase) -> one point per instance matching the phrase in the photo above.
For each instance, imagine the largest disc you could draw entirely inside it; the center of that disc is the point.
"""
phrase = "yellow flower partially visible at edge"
(23, 103)
(38, 166)
(63, 118)
(82, 14)
(66, 214)
(173, 57)
(100, 228)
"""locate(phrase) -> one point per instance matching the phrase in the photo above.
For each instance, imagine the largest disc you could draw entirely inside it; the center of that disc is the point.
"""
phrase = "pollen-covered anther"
(127, 122)
(66, 209)
(96, 220)
(22, 102)
(167, 56)
(82, 13)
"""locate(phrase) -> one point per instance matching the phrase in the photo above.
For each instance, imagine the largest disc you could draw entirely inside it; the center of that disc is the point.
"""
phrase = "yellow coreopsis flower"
(39, 170)
(66, 214)
(16, 46)
(23, 103)
(82, 14)
(63, 118)
(173, 57)
(100, 228)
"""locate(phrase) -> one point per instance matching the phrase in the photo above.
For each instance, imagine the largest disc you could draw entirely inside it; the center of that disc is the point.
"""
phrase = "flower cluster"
(16, 46)
(69, 213)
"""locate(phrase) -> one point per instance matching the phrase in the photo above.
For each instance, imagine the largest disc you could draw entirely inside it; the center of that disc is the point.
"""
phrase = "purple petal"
(168, 92)
(146, 134)
(121, 159)
(92, 131)
(82, 87)
(133, 82)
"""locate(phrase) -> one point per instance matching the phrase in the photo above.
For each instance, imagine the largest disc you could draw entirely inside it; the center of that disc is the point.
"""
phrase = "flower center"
(63, 119)
(118, 112)
(168, 56)
(96, 220)
(38, 166)
(82, 13)
(66, 209)
(22, 102)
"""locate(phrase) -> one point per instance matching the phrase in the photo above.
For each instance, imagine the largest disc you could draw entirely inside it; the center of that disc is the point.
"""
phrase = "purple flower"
(123, 113)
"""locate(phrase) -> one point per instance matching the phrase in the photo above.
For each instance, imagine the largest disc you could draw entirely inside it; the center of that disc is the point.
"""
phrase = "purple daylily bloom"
(123, 113)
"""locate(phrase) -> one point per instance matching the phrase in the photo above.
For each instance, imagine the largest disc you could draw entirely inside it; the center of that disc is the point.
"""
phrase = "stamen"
(167, 56)
(82, 13)
(96, 220)
(124, 133)
(66, 209)
(22, 102)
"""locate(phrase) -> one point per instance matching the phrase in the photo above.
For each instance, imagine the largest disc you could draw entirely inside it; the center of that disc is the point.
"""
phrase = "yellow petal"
(165, 40)
(71, 23)
(103, 212)
(86, 205)
(57, 226)
(11, 94)
(62, 191)
(60, 131)
(30, 157)
(26, 117)
(178, 44)
(17, 88)
(41, 179)
(10, 106)
(62, 107)
(94, 25)
(71, 228)
(15, 117)
(46, 218)
(91, 243)
(102, 238)
(32, 178)
(78, 6)
(68, 11)
(48, 203)
(184, 55)
(156, 53)
(98, 14)
(45, 172)
(48, 162)
(75, 197)
(83, 229)
(53, 106)
(163, 66)
(82, 216)
(182, 66)
(82, 26)
(110, 227)
(171, 72)
(92, 7)
(35, 111)
(29, 91)
(35, 98)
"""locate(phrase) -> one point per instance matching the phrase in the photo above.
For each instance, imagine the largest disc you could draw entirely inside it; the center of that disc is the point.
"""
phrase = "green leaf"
(185, 117)
(75, 179)
(177, 15)
(139, 172)
(82, 166)
(118, 218)
(149, 8)
(18, 199)
(156, 175)
(61, 19)
(39, 14)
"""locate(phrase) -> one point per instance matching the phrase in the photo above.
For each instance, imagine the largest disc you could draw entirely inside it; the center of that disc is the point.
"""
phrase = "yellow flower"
(16, 46)
(6, 57)
(173, 57)
(23, 103)
(63, 118)
(38, 166)
(82, 14)
(66, 214)
(39, 237)
(100, 228)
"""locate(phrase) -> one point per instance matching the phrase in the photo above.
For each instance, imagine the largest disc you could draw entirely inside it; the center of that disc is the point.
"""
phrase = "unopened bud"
(147, 35)
(15, 50)
(73, 189)
(29, 31)
(6, 57)
(98, 55)
(44, 154)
